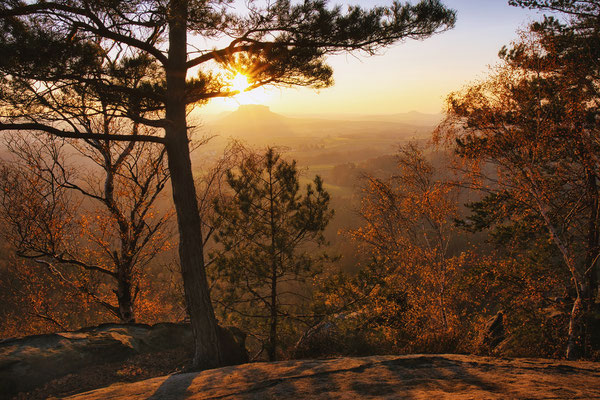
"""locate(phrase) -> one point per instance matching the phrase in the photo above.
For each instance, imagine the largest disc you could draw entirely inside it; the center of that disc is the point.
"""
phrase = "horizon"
(406, 77)
(316, 115)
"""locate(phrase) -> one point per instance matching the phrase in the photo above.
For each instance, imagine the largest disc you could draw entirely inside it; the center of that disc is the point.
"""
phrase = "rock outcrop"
(380, 377)
(493, 333)
(233, 345)
(30, 362)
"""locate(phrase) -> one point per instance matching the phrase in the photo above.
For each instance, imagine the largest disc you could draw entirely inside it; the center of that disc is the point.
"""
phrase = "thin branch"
(33, 126)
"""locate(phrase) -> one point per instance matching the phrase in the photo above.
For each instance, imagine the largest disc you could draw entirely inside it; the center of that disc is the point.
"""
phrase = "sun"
(240, 83)
(244, 91)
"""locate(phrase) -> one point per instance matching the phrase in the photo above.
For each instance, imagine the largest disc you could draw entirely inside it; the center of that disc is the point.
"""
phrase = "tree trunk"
(577, 320)
(593, 238)
(577, 327)
(207, 352)
(443, 290)
(272, 350)
(591, 261)
(126, 313)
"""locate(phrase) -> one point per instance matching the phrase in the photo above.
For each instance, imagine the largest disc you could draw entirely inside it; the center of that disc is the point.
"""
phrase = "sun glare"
(240, 83)
(246, 94)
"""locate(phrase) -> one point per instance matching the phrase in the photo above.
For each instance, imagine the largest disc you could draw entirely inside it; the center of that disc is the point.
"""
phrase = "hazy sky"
(414, 75)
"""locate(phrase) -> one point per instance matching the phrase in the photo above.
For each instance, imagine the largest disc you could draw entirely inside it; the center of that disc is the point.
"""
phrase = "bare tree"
(101, 218)
(408, 227)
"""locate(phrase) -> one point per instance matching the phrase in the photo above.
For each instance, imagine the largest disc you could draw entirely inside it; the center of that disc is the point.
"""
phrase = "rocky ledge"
(378, 377)
(30, 362)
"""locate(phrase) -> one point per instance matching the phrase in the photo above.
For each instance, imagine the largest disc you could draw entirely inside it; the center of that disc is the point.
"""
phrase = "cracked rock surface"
(378, 377)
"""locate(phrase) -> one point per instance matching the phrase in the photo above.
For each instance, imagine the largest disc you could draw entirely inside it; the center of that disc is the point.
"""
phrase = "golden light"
(247, 92)
(240, 83)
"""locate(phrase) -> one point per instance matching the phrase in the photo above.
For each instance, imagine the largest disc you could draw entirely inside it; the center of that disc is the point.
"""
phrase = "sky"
(410, 76)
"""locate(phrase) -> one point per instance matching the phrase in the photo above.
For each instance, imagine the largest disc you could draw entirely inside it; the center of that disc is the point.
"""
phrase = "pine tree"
(268, 231)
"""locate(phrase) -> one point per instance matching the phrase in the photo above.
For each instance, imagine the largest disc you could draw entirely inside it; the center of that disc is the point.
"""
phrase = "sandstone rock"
(379, 377)
(233, 342)
(29, 362)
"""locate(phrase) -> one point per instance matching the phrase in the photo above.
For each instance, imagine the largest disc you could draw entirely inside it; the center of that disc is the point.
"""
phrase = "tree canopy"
(147, 60)
(529, 133)
(121, 50)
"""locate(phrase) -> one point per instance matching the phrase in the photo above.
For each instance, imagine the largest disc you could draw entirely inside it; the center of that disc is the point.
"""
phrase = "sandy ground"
(380, 377)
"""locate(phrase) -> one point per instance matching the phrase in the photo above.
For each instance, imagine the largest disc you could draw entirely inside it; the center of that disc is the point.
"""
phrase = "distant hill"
(252, 122)
(414, 118)
(258, 125)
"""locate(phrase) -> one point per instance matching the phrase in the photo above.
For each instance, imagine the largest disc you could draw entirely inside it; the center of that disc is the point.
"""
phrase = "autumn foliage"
(495, 223)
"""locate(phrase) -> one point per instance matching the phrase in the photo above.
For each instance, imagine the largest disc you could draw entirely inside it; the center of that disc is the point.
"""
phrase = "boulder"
(32, 361)
(233, 345)
(493, 333)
